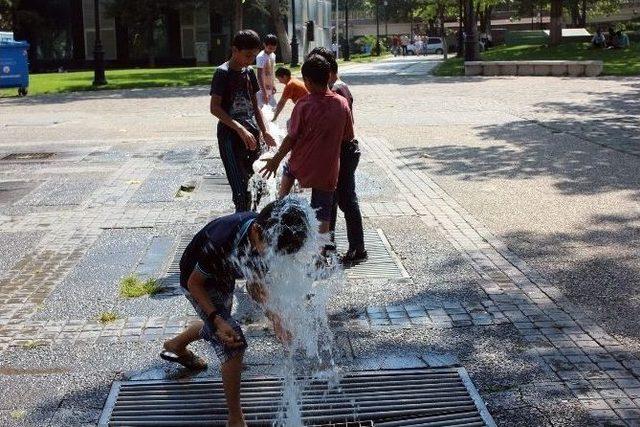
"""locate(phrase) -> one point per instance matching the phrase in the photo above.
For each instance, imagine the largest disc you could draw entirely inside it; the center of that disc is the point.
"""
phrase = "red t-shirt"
(320, 123)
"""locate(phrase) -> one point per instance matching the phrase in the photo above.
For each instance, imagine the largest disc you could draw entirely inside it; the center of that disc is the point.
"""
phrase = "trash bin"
(14, 65)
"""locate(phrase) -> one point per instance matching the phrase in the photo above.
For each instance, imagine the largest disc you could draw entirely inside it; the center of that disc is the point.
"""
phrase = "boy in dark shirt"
(233, 102)
(346, 197)
(227, 249)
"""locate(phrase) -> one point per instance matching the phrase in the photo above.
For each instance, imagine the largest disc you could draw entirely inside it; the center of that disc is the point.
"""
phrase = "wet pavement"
(108, 205)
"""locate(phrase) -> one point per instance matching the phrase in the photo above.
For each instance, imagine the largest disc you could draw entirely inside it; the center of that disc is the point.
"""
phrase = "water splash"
(267, 189)
(299, 287)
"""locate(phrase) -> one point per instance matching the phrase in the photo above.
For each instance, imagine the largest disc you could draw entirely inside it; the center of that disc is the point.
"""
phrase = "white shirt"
(267, 61)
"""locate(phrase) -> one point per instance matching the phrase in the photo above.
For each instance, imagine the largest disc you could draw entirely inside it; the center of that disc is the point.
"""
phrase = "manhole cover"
(28, 156)
(382, 261)
(412, 397)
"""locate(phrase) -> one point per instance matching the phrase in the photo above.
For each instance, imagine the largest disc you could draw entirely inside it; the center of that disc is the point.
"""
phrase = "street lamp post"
(377, 28)
(460, 37)
(294, 39)
(347, 54)
(386, 21)
(99, 78)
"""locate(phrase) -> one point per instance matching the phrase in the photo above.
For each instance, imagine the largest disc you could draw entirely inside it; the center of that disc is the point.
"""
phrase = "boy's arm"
(196, 287)
(272, 164)
(258, 293)
(216, 109)
(268, 138)
(279, 107)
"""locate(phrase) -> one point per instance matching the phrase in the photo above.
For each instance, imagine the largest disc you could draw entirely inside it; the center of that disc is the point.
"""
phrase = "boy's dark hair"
(282, 72)
(271, 40)
(316, 69)
(284, 224)
(328, 55)
(246, 39)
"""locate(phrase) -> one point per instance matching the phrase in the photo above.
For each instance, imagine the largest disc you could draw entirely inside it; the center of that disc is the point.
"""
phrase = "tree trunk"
(583, 16)
(281, 31)
(237, 17)
(488, 11)
(556, 23)
(470, 27)
(575, 13)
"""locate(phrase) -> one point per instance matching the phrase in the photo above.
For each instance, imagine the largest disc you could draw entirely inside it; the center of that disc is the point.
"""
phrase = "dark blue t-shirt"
(211, 249)
(236, 88)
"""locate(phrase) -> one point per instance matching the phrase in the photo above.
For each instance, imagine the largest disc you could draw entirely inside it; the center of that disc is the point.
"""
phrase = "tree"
(8, 10)
(276, 10)
(143, 17)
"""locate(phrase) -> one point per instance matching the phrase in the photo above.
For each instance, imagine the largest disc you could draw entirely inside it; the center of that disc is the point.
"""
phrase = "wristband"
(211, 319)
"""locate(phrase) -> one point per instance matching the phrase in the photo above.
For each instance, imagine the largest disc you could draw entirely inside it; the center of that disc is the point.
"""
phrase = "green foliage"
(107, 317)
(132, 287)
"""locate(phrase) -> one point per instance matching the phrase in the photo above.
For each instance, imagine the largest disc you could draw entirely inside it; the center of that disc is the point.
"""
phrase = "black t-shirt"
(212, 248)
(236, 89)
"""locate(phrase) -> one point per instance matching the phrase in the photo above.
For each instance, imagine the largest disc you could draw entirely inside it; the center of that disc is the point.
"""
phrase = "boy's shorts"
(321, 200)
(223, 301)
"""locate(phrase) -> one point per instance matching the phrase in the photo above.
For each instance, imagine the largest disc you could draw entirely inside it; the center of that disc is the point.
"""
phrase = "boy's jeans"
(238, 165)
(346, 197)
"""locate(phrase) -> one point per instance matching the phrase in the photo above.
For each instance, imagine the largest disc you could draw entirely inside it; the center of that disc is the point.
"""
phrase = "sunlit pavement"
(510, 203)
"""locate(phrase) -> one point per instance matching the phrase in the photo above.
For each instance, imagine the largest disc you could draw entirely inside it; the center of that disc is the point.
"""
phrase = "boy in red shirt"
(320, 123)
(294, 89)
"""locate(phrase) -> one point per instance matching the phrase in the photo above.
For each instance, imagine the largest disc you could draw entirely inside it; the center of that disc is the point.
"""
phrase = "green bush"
(132, 287)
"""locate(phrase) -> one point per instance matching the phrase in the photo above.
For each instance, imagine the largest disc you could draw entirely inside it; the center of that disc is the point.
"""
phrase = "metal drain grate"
(213, 187)
(412, 397)
(382, 262)
(28, 156)
(171, 280)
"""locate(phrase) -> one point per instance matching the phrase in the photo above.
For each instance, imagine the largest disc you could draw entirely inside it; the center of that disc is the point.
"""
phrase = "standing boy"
(208, 270)
(294, 89)
(346, 197)
(266, 65)
(240, 126)
(320, 123)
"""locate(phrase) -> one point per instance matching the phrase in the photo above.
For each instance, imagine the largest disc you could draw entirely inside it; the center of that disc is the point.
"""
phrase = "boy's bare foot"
(236, 422)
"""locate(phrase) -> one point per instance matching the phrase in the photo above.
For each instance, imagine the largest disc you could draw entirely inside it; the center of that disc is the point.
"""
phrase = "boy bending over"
(208, 270)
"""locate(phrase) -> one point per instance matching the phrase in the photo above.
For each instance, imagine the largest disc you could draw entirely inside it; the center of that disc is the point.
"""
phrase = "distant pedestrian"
(266, 65)
(241, 125)
(294, 89)
(320, 123)
(346, 198)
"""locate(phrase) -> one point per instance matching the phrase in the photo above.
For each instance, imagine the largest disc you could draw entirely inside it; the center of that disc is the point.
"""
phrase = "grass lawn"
(117, 79)
(129, 79)
(616, 62)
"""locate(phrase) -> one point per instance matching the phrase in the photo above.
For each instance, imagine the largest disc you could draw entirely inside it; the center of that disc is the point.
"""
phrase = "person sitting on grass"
(208, 270)
(320, 123)
(599, 40)
(294, 89)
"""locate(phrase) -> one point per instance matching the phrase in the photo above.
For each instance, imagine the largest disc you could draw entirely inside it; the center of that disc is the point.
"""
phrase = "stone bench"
(533, 68)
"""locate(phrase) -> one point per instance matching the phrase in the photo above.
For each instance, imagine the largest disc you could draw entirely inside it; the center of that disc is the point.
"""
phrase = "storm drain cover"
(213, 186)
(411, 397)
(28, 156)
(171, 280)
(382, 261)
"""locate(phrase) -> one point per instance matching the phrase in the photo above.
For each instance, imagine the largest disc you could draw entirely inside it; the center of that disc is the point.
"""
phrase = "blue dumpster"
(14, 65)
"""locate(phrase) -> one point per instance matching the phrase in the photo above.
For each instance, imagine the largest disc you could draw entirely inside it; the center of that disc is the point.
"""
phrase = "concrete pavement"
(514, 217)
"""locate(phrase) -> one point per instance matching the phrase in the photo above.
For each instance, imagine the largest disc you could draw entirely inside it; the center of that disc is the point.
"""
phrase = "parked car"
(434, 45)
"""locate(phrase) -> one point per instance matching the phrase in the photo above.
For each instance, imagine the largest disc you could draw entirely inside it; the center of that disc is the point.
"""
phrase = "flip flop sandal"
(188, 360)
